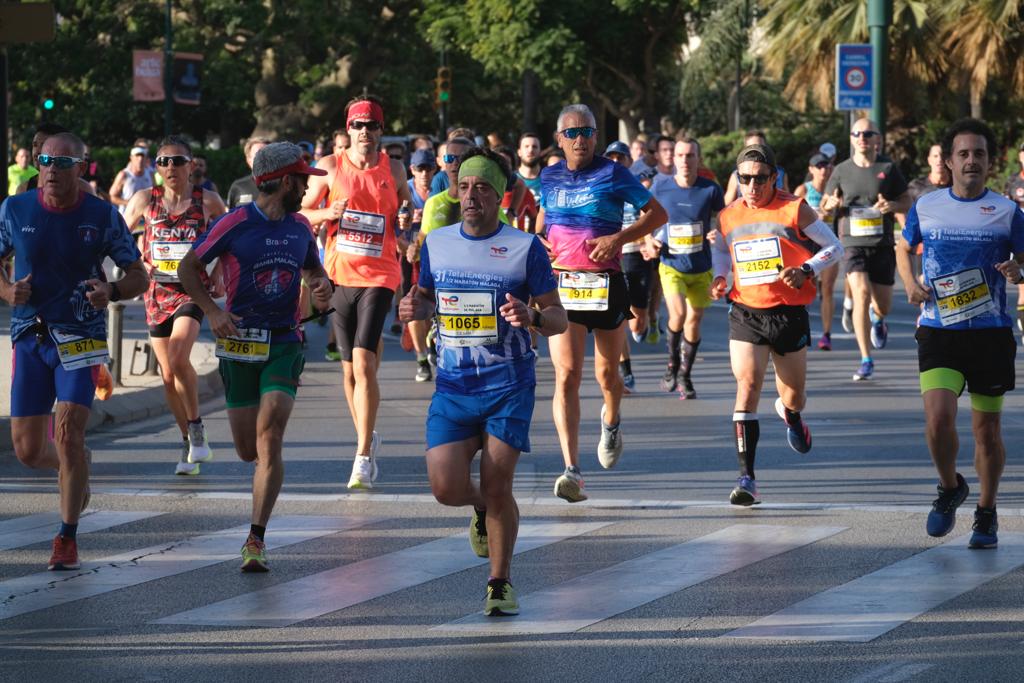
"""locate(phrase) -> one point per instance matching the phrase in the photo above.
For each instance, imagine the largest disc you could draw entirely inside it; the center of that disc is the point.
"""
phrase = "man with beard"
(529, 163)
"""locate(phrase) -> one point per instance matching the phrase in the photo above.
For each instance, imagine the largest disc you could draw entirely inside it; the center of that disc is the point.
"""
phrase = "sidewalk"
(142, 396)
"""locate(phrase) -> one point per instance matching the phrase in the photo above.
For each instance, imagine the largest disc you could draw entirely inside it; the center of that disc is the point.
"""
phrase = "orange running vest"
(361, 249)
(762, 241)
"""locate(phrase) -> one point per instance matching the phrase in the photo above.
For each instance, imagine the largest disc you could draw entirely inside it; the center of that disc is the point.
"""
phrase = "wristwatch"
(115, 292)
(807, 271)
(536, 319)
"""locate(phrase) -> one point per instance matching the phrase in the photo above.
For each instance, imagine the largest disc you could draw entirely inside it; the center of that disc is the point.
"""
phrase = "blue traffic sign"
(853, 77)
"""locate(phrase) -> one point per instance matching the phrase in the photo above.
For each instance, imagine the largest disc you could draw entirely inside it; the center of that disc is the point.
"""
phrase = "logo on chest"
(88, 234)
(273, 282)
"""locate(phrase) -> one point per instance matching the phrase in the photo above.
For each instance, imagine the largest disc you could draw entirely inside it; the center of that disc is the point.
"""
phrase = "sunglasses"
(397, 157)
(866, 134)
(759, 179)
(60, 162)
(176, 159)
(423, 169)
(368, 125)
(573, 133)
(450, 158)
(823, 164)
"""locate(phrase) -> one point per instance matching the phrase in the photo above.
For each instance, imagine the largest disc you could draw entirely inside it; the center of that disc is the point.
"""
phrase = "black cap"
(818, 158)
(759, 153)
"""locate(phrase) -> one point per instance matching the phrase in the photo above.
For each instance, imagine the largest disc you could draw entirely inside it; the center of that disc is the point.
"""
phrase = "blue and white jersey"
(963, 241)
(684, 244)
(477, 350)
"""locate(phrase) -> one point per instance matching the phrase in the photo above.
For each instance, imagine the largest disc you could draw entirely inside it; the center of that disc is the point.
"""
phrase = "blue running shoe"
(745, 493)
(986, 524)
(879, 334)
(629, 382)
(799, 439)
(942, 518)
(866, 369)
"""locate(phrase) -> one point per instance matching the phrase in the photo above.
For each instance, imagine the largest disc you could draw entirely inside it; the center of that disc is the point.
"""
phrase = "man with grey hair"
(243, 190)
(582, 201)
(258, 342)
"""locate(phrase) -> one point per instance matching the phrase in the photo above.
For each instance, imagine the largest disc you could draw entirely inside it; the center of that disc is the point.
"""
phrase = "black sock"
(747, 429)
(793, 418)
(68, 530)
(627, 367)
(674, 340)
(197, 421)
(332, 347)
(257, 531)
(689, 354)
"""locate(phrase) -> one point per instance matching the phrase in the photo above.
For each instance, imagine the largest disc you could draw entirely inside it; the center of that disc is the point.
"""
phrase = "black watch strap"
(536, 319)
(115, 292)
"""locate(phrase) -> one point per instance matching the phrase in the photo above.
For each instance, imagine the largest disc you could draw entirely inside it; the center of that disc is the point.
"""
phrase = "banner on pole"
(147, 75)
(187, 69)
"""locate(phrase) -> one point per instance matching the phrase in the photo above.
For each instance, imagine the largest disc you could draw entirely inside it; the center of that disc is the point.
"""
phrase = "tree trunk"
(530, 98)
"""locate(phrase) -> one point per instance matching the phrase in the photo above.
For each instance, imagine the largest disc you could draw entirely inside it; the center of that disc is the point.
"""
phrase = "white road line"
(38, 528)
(335, 589)
(48, 589)
(876, 603)
(895, 672)
(588, 599)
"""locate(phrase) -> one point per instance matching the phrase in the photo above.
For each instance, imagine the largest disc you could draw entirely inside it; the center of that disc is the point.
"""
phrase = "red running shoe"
(65, 554)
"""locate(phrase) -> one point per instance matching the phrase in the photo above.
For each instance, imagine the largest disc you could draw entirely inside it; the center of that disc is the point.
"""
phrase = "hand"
(217, 289)
(515, 312)
(794, 277)
(918, 294)
(20, 291)
(321, 290)
(718, 288)
(714, 236)
(404, 220)
(223, 323)
(412, 307)
(98, 294)
(336, 209)
(883, 204)
(412, 251)
(1010, 270)
(650, 250)
(604, 248)
(417, 215)
(830, 202)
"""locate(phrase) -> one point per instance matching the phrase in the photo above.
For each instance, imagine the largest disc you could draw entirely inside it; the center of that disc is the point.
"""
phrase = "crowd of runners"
(474, 250)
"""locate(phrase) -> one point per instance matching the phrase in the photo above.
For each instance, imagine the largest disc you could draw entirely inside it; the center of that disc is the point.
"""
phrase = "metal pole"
(879, 19)
(116, 318)
(168, 75)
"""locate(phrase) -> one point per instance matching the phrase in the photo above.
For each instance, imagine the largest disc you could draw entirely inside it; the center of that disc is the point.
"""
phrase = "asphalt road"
(655, 578)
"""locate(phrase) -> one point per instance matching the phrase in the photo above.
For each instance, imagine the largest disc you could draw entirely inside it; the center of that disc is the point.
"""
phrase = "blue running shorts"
(38, 379)
(504, 415)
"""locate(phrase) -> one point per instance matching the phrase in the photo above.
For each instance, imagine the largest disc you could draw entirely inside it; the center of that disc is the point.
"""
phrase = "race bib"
(582, 291)
(961, 296)
(77, 352)
(166, 256)
(251, 345)
(866, 222)
(685, 238)
(361, 233)
(758, 261)
(467, 318)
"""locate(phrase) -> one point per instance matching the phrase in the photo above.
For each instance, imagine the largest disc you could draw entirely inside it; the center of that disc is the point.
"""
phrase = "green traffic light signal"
(48, 103)
(444, 96)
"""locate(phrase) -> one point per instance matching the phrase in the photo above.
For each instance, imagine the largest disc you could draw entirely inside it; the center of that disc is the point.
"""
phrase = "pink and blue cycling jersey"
(584, 204)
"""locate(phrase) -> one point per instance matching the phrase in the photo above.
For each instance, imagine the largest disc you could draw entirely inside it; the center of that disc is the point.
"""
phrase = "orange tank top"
(762, 242)
(361, 249)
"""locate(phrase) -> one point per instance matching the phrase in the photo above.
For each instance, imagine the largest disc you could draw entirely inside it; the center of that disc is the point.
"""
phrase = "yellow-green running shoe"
(501, 599)
(478, 533)
(254, 555)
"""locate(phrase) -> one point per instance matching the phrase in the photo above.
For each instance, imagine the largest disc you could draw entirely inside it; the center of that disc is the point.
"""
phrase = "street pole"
(168, 75)
(879, 20)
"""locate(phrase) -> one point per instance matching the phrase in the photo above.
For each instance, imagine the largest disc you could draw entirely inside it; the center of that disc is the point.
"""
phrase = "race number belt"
(250, 345)
(361, 233)
(78, 352)
(758, 261)
(685, 238)
(467, 318)
(166, 257)
(961, 296)
(582, 291)
(866, 222)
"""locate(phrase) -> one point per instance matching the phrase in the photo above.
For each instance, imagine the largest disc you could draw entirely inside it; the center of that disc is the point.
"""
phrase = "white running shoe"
(198, 447)
(609, 448)
(569, 486)
(185, 467)
(364, 467)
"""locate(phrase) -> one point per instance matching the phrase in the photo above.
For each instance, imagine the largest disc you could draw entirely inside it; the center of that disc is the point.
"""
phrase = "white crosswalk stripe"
(42, 527)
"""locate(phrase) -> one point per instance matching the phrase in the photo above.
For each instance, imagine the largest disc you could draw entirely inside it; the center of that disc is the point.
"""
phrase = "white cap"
(828, 149)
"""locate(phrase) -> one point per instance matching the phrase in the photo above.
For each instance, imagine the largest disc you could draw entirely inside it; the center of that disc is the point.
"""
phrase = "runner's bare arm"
(213, 205)
(916, 292)
(134, 215)
(134, 282)
(320, 286)
(550, 318)
(731, 190)
(652, 216)
(115, 190)
(418, 304)
(189, 272)
(318, 189)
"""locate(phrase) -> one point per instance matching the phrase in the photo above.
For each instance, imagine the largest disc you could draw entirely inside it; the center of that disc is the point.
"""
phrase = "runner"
(693, 204)
(60, 236)
(937, 178)
(864, 193)
(175, 214)
(965, 338)
(529, 163)
(269, 246)
(1015, 190)
(581, 214)
(770, 241)
(734, 189)
(477, 275)
(819, 167)
(20, 171)
(243, 190)
(363, 188)
(137, 175)
(423, 167)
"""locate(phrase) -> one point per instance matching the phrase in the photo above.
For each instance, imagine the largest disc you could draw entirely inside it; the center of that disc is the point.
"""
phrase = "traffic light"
(443, 85)
(47, 103)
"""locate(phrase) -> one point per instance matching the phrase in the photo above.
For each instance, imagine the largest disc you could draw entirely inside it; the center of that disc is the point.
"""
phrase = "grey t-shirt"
(858, 223)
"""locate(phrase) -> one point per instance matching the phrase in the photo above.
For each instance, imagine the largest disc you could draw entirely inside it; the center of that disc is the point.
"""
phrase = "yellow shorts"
(694, 286)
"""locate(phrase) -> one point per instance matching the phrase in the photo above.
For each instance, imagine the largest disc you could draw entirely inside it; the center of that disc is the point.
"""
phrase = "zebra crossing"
(859, 610)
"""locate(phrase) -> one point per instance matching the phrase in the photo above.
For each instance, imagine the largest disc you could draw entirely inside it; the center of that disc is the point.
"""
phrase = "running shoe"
(501, 599)
(395, 329)
(653, 335)
(942, 518)
(745, 493)
(638, 336)
(423, 373)
(866, 369)
(570, 485)
(184, 467)
(364, 467)
(986, 524)
(198, 447)
(609, 448)
(332, 354)
(65, 554)
(478, 533)
(825, 342)
(668, 380)
(847, 319)
(686, 390)
(254, 555)
(879, 333)
(799, 440)
(629, 382)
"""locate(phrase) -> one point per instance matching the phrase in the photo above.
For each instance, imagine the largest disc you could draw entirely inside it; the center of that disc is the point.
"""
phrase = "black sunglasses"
(759, 179)
(866, 134)
(176, 159)
(368, 125)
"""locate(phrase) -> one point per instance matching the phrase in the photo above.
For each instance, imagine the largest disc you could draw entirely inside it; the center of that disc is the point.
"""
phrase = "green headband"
(487, 169)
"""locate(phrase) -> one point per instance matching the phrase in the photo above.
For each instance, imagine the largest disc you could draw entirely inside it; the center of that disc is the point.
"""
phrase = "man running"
(137, 175)
(270, 247)
(581, 215)
(819, 167)
(774, 244)
(60, 236)
(364, 188)
(529, 163)
(243, 190)
(693, 204)
(175, 214)
(973, 243)
(477, 276)
(865, 192)
(423, 167)
(734, 189)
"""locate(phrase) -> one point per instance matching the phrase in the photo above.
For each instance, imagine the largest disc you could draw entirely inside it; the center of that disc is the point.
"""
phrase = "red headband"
(300, 167)
(365, 110)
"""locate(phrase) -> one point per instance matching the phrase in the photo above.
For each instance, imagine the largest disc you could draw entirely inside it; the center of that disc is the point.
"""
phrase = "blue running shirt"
(684, 244)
